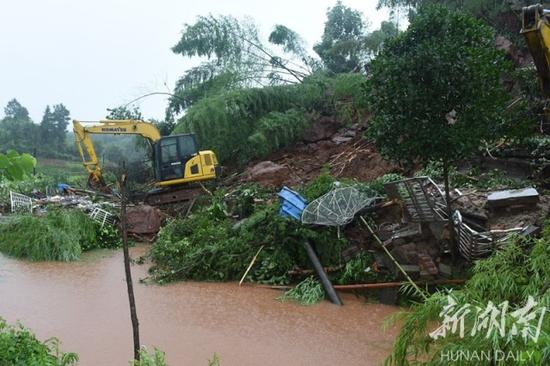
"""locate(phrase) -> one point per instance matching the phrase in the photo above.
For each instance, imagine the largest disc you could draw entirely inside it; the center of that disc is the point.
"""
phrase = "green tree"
(124, 112)
(17, 130)
(61, 117)
(15, 110)
(376, 39)
(504, 16)
(53, 129)
(47, 128)
(342, 47)
(435, 91)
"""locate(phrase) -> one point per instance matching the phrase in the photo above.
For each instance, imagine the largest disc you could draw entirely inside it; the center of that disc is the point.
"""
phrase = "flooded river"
(85, 305)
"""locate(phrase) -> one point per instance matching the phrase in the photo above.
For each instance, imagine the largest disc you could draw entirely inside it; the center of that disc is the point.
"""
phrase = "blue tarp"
(292, 204)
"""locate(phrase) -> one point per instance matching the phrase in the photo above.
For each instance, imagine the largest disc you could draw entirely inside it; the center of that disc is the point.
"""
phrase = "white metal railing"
(20, 202)
(103, 217)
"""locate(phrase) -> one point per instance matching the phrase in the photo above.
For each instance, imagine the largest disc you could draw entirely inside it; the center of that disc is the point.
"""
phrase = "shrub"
(146, 358)
(19, 346)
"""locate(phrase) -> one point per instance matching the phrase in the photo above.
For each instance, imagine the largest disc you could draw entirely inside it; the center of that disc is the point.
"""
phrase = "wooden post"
(127, 269)
(450, 223)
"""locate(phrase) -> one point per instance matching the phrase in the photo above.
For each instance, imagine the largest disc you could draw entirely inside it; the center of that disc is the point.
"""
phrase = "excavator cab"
(171, 154)
(178, 160)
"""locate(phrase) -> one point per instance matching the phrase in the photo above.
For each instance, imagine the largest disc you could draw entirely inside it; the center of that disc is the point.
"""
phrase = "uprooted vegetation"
(58, 234)
(218, 240)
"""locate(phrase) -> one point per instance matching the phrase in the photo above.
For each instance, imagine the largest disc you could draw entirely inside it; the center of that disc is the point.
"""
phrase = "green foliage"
(435, 90)
(235, 58)
(324, 182)
(208, 245)
(107, 237)
(342, 45)
(375, 40)
(17, 131)
(501, 15)
(224, 122)
(47, 139)
(60, 235)
(377, 185)
(358, 269)
(146, 358)
(214, 361)
(123, 112)
(289, 40)
(53, 131)
(14, 166)
(19, 346)
(308, 292)
(492, 179)
(350, 102)
(199, 248)
(276, 131)
(39, 182)
(519, 270)
(242, 124)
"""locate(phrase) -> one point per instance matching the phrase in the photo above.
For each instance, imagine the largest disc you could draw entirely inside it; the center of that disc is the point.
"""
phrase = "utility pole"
(127, 269)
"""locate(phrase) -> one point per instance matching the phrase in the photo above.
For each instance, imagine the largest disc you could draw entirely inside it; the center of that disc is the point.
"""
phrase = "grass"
(58, 235)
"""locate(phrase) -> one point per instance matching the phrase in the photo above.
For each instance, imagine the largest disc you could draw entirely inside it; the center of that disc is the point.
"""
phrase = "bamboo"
(394, 260)
(250, 265)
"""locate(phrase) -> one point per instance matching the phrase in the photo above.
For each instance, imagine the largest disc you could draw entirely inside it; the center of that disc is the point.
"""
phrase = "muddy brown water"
(85, 305)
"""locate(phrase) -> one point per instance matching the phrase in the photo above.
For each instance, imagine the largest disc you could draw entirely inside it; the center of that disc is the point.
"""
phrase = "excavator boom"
(536, 30)
(86, 148)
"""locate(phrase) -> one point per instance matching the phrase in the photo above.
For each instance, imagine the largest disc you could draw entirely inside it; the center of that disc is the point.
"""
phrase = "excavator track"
(162, 197)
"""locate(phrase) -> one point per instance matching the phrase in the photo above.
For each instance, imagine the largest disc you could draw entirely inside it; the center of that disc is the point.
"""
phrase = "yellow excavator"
(536, 30)
(177, 161)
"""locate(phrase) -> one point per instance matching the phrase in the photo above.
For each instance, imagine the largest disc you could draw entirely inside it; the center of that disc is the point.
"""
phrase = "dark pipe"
(333, 296)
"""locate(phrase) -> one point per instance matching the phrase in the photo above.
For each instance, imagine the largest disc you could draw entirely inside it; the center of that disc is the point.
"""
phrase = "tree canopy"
(342, 45)
(504, 16)
(435, 90)
(18, 131)
(53, 128)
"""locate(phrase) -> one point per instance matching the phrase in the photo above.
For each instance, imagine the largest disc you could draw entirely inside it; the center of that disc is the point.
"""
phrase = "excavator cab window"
(172, 152)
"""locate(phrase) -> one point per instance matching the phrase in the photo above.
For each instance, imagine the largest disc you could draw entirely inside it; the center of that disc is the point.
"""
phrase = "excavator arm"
(84, 143)
(536, 30)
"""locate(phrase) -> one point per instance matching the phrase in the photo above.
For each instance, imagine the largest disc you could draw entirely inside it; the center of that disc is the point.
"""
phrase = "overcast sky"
(92, 55)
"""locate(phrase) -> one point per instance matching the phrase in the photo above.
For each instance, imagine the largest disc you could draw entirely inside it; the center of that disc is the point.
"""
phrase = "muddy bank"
(85, 305)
